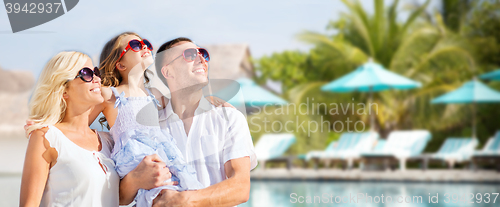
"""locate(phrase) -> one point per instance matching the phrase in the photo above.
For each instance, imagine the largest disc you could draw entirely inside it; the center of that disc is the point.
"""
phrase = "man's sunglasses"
(191, 53)
(87, 74)
(136, 46)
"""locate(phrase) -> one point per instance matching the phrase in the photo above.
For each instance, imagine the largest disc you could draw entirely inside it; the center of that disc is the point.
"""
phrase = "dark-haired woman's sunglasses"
(191, 53)
(87, 74)
(136, 46)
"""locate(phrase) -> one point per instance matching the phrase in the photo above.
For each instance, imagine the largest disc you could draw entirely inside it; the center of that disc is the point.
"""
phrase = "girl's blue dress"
(137, 133)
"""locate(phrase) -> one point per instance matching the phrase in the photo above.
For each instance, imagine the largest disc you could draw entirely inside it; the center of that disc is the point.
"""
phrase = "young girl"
(131, 111)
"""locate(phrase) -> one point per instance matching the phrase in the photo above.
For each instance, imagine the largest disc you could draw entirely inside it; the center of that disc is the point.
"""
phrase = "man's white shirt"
(213, 139)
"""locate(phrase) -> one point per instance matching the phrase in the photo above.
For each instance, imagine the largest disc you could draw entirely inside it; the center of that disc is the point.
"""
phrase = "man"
(217, 143)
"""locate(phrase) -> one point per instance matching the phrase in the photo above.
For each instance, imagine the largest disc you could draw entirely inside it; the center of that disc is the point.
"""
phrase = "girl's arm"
(95, 112)
(39, 159)
(106, 107)
(107, 94)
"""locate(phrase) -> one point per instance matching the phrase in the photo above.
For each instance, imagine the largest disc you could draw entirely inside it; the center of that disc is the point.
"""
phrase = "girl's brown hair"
(110, 54)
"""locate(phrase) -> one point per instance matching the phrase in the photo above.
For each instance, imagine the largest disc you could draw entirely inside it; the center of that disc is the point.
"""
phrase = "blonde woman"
(67, 163)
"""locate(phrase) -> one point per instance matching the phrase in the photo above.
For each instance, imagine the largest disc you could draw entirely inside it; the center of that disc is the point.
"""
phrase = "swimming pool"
(335, 193)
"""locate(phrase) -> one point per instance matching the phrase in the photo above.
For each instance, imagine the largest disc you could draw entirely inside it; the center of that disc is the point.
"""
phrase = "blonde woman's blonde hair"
(47, 105)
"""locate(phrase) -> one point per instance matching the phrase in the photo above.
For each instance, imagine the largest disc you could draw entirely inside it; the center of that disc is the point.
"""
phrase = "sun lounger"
(455, 150)
(271, 147)
(490, 153)
(306, 157)
(401, 146)
(346, 150)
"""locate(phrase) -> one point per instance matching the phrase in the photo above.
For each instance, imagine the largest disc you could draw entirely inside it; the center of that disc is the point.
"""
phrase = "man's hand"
(173, 198)
(28, 124)
(218, 102)
(230, 192)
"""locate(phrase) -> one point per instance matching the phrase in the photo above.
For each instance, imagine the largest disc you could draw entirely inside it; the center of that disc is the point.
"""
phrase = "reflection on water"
(283, 193)
(278, 193)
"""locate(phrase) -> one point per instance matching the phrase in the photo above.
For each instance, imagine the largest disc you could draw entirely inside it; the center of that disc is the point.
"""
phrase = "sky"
(266, 26)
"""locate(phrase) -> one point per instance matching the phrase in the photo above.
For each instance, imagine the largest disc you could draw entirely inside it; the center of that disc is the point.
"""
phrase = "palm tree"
(421, 50)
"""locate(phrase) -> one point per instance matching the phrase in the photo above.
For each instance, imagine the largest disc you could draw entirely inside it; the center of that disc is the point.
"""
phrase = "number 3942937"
(33, 8)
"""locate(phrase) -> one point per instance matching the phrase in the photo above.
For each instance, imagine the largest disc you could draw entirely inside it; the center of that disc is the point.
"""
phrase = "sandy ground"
(12, 152)
(13, 115)
(9, 192)
(14, 108)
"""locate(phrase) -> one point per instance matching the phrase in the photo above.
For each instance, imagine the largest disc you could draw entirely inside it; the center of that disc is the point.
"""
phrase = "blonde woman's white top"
(80, 177)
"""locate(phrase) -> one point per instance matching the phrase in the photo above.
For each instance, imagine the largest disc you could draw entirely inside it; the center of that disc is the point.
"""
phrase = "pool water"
(316, 193)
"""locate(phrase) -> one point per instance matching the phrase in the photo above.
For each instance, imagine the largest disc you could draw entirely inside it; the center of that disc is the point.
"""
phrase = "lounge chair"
(306, 157)
(377, 149)
(271, 147)
(490, 153)
(380, 145)
(401, 146)
(346, 151)
(455, 150)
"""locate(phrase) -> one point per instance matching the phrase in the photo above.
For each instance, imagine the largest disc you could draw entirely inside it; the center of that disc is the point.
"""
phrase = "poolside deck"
(458, 175)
